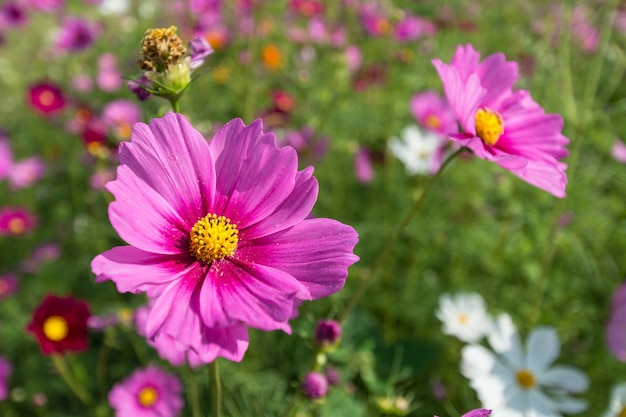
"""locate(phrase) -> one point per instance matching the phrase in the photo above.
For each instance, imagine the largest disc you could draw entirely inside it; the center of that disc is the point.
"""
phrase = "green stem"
(193, 391)
(61, 365)
(175, 106)
(371, 272)
(217, 389)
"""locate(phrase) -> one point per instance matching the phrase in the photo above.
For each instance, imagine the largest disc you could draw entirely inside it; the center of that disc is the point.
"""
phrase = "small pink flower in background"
(363, 167)
(5, 372)
(46, 252)
(99, 178)
(13, 14)
(618, 151)
(374, 21)
(119, 116)
(82, 83)
(411, 28)
(308, 8)
(46, 5)
(480, 412)
(6, 156)
(353, 58)
(26, 172)
(614, 330)
(213, 232)
(15, 221)
(46, 98)
(8, 285)
(584, 32)
(432, 112)
(109, 78)
(199, 49)
(148, 392)
(137, 87)
(502, 125)
(76, 34)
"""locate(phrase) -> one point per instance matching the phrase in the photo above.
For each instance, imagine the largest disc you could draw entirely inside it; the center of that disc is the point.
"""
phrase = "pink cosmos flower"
(109, 77)
(502, 125)
(119, 116)
(618, 151)
(218, 233)
(412, 27)
(149, 392)
(26, 172)
(363, 167)
(46, 5)
(15, 221)
(46, 98)
(614, 331)
(46, 252)
(6, 157)
(433, 112)
(353, 58)
(76, 34)
(5, 372)
(13, 14)
(8, 285)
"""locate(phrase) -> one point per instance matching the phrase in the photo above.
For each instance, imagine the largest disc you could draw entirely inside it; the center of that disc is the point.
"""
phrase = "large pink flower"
(503, 125)
(219, 233)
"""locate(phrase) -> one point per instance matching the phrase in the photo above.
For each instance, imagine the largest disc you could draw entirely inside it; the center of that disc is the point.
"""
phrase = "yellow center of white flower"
(525, 379)
(55, 328)
(213, 238)
(463, 318)
(489, 125)
(147, 396)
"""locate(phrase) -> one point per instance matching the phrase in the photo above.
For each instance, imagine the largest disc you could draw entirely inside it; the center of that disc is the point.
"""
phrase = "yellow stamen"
(433, 121)
(525, 379)
(463, 318)
(147, 396)
(46, 98)
(16, 226)
(56, 328)
(489, 125)
(213, 238)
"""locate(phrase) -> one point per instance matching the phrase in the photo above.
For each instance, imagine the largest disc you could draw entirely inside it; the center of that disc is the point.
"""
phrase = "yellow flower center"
(213, 238)
(489, 125)
(147, 396)
(463, 318)
(622, 413)
(525, 379)
(55, 328)
(46, 98)
(16, 226)
(433, 121)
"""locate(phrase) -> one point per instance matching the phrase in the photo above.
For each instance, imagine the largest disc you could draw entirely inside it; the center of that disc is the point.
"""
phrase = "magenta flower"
(6, 157)
(26, 172)
(614, 331)
(618, 151)
(433, 112)
(149, 392)
(5, 372)
(8, 285)
(412, 28)
(46, 98)
(363, 166)
(13, 14)
(119, 116)
(218, 232)
(502, 125)
(314, 385)
(109, 77)
(76, 34)
(47, 5)
(15, 221)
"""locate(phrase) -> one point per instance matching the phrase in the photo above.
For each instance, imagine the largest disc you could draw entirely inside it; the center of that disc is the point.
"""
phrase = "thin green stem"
(194, 394)
(61, 365)
(175, 104)
(390, 243)
(217, 389)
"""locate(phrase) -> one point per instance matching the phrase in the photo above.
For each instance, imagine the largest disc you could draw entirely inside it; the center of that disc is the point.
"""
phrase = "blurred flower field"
(312, 208)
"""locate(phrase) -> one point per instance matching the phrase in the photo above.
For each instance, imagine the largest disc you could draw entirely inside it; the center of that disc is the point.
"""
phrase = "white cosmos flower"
(464, 316)
(418, 150)
(520, 381)
(617, 404)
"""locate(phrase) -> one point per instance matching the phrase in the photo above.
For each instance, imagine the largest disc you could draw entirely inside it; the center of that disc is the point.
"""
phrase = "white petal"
(542, 349)
(565, 377)
(476, 361)
(540, 405)
(504, 339)
(570, 405)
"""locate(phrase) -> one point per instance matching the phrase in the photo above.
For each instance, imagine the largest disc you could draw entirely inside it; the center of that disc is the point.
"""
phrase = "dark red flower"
(46, 98)
(60, 324)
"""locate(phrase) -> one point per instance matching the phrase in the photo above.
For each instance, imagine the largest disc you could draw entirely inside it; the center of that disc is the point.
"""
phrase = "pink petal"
(316, 252)
(256, 295)
(293, 209)
(143, 218)
(181, 170)
(134, 270)
(465, 60)
(255, 176)
(497, 76)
